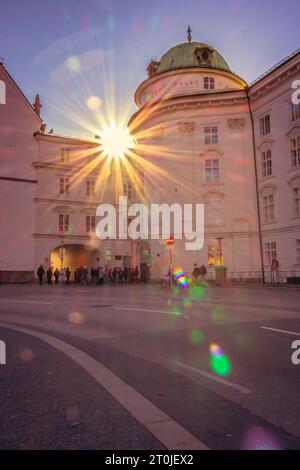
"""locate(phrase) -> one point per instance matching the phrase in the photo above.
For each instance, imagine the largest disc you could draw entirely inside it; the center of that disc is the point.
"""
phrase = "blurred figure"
(56, 275)
(85, 273)
(196, 274)
(68, 274)
(49, 276)
(62, 275)
(40, 273)
(136, 274)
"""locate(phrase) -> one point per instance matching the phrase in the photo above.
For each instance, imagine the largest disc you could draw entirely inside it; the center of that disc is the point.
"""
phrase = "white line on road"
(11, 301)
(140, 309)
(208, 375)
(280, 331)
(170, 433)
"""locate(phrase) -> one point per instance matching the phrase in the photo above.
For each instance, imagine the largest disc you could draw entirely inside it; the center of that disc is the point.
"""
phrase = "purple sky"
(68, 50)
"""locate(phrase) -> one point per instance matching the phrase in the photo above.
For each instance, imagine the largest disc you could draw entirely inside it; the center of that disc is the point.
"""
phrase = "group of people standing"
(58, 275)
(97, 275)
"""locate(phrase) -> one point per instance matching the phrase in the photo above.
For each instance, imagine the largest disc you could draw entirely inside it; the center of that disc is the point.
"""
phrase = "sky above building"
(86, 57)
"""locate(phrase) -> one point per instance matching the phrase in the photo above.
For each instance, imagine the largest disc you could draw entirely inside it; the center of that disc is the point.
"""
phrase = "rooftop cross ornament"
(189, 33)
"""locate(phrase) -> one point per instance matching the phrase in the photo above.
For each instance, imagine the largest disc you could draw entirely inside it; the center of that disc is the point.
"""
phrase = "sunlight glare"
(115, 142)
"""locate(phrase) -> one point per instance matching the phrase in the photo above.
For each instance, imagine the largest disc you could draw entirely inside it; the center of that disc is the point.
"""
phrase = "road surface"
(140, 367)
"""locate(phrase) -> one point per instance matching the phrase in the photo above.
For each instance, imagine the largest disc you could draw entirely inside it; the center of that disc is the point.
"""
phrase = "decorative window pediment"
(271, 188)
(64, 210)
(295, 180)
(212, 150)
(294, 131)
(212, 196)
(267, 141)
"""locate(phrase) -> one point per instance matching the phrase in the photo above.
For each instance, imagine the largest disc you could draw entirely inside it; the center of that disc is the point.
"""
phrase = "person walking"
(56, 275)
(68, 274)
(136, 274)
(49, 276)
(101, 276)
(40, 273)
(62, 275)
(196, 274)
(203, 272)
(85, 273)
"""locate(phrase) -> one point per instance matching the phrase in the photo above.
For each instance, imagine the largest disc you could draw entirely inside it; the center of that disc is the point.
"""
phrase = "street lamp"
(170, 245)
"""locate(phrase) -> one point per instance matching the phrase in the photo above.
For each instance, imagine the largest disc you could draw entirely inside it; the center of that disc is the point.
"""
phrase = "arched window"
(209, 83)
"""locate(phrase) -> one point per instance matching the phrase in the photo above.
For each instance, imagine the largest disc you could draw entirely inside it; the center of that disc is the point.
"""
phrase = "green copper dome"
(191, 54)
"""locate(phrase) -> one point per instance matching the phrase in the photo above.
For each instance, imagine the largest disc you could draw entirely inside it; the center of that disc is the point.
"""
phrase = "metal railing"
(271, 277)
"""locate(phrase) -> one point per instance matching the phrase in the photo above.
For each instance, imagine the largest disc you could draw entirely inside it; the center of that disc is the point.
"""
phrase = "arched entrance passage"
(74, 256)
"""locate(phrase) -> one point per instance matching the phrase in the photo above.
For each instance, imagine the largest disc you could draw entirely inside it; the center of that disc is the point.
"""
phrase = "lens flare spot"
(26, 354)
(197, 292)
(196, 337)
(218, 314)
(73, 64)
(258, 438)
(76, 318)
(219, 362)
(93, 103)
(186, 302)
(176, 311)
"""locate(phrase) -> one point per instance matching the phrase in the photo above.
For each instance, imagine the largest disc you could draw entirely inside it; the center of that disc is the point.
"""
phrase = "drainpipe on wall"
(256, 184)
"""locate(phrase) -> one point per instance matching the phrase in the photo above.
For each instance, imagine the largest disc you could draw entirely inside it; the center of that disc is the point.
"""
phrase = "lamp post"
(170, 245)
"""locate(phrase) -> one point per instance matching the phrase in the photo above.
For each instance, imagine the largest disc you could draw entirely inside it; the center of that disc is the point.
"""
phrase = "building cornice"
(184, 71)
(84, 170)
(187, 102)
(275, 77)
(65, 139)
(68, 202)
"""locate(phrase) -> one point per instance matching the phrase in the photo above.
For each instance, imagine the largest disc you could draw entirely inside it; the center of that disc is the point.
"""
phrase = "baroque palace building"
(204, 136)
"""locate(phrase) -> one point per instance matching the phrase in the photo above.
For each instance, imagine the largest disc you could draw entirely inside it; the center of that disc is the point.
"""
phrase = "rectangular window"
(64, 185)
(298, 251)
(212, 170)
(63, 222)
(271, 252)
(268, 208)
(209, 83)
(211, 135)
(295, 112)
(64, 155)
(211, 261)
(90, 187)
(213, 212)
(265, 125)
(90, 223)
(296, 201)
(295, 151)
(127, 190)
(266, 161)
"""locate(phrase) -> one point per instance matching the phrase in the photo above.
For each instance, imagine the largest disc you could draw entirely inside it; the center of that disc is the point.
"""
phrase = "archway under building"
(73, 256)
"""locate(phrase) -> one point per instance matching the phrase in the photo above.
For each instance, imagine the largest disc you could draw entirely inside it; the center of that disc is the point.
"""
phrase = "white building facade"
(204, 136)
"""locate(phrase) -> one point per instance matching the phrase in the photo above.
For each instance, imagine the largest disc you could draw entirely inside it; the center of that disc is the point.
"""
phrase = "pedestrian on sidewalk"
(40, 273)
(49, 276)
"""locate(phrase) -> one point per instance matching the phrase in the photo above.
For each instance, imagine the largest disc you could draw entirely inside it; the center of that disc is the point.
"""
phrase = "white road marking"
(11, 301)
(141, 309)
(280, 331)
(170, 433)
(208, 375)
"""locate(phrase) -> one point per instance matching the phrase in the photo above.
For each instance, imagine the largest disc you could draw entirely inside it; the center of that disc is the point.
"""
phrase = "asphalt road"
(139, 367)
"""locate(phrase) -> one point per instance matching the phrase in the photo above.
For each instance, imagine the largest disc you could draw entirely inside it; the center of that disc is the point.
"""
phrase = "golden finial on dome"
(189, 33)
